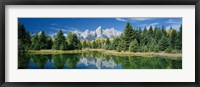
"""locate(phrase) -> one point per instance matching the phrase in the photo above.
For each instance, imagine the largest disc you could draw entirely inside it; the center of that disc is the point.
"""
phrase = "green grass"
(109, 52)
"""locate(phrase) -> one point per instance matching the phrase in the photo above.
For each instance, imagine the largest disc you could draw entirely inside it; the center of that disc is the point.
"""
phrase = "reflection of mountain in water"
(94, 60)
(99, 63)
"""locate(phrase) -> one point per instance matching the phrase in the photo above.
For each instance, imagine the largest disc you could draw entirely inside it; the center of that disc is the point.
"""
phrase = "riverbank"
(109, 52)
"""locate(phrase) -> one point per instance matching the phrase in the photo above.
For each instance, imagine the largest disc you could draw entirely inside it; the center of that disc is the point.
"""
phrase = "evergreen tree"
(144, 48)
(84, 44)
(163, 43)
(36, 46)
(79, 46)
(133, 46)
(42, 39)
(63, 46)
(59, 39)
(145, 31)
(173, 39)
(164, 31)
(72, 41)
(150, 31)
(94, 45)
(136, 35)
(151, 44)
(24, 38)
(107, 44)
(179, 39)
(144, 37)
(158, 34)
(115, 43)
(128, 35)
(49, 43)
(35, 42)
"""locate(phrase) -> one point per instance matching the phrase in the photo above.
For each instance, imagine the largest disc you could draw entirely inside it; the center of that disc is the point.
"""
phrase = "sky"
(52, 25)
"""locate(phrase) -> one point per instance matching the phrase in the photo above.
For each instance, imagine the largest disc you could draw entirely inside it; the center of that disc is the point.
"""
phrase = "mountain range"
(92, 35)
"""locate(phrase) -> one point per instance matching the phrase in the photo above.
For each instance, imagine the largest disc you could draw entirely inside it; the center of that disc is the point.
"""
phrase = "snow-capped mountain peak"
(98, 33)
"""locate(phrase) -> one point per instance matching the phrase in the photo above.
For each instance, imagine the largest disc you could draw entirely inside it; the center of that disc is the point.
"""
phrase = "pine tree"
(144, 37)
(150, 31)
(107, 44)
(133, 46)
(34, 41)
(42, 40)
(24, 38)
(144, 48)
(49, 43)
(179, 39)
(59, 39)
(158, 34)
(84, 44)
(151, 44)
(163, 43)
(94, 45)
(72, 41)
(128, 35)
(136, 35)
(79, 46)
(121, 46)
(173, 39)
(63, 46)
(115, 43)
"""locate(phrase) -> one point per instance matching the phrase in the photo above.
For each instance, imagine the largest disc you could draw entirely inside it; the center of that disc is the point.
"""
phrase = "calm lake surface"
(94, 60)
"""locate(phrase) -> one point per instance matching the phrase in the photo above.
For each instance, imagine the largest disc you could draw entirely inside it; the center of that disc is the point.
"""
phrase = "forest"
(153, 39)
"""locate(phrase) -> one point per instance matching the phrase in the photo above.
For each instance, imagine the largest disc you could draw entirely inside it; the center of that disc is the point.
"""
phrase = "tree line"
(153, 39)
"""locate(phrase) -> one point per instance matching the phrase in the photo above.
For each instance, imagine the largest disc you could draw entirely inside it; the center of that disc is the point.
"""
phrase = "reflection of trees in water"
(137, 62)
(40, 60)
(59, 61)
(71, 60)
(23, 61)
(148, 63)
(96, 54)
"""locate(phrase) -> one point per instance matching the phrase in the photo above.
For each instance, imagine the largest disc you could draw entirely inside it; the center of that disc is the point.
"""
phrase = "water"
(94, 60)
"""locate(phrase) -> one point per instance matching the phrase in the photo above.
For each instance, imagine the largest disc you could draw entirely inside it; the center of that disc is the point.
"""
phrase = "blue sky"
(52, 25)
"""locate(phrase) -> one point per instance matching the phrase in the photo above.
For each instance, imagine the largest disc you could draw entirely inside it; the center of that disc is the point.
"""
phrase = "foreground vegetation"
(109, 52)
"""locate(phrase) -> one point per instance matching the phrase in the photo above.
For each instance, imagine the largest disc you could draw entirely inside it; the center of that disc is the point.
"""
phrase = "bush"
(170, 50)
(156, 48)
(37, 46)
(118, 49)
(63, 46)
(174, 51)
(144, 48)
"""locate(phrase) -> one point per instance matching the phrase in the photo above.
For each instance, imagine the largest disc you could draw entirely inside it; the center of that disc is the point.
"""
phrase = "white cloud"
(134, 19)
(174, 21)
(174, 26)
(153, 25)
(121, 19)
(53, 28)
(71, 28)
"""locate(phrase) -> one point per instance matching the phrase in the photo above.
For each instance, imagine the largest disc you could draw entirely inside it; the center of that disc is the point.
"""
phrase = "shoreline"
(109, 52)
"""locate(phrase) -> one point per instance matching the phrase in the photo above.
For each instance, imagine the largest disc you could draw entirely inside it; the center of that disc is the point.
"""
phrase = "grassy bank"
(109, 52)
